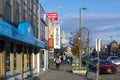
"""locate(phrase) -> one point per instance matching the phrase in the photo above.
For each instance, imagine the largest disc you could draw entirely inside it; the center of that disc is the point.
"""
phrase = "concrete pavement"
(65, 73)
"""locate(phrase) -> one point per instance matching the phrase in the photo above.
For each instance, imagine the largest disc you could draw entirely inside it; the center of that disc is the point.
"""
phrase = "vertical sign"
(56, 36)
(98, 49)
(98, 44)
(50, 43)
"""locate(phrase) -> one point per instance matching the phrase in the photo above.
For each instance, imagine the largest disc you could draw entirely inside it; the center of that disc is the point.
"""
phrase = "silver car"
(114, 59)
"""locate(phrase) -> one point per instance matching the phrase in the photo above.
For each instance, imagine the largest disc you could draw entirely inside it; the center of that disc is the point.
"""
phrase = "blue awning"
(24, 33)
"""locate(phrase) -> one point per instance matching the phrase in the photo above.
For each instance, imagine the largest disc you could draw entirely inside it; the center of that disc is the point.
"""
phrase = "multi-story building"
(63, 39)
(51, 35)
(44, 37)
(64, 42)
(20, 33)
(15, 11)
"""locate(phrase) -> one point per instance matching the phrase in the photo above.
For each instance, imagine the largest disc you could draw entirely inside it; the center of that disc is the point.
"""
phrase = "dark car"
(92, 64)
(85, 58)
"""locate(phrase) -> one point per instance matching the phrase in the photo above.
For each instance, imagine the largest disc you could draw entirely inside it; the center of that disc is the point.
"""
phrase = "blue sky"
(102, 17)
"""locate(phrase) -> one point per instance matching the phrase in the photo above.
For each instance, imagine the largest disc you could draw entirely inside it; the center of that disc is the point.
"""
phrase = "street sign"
(98, 46)
(52, 16)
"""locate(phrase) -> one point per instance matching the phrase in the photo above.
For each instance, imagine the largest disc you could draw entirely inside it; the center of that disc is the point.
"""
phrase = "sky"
(102, 17)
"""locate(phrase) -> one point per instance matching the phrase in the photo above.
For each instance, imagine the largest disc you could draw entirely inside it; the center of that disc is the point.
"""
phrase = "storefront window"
(7, 59)
(1, 57)
(35, 57)
(26, 60)
(42, 59)
(30, 58)
(15, 60)
(28, 67)
(23, 52)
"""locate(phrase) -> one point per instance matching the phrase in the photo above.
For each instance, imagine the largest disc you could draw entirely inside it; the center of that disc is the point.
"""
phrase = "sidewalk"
(65, 73)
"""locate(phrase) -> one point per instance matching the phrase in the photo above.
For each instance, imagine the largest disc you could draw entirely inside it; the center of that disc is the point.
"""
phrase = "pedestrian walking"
(71, 59)
(87, 69)
(64, 59)
(57, 60)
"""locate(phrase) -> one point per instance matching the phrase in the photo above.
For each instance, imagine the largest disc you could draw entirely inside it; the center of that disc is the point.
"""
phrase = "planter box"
(79, 71)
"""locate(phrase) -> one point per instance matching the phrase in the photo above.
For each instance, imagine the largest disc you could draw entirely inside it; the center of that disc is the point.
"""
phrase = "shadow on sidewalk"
(69, 70)
(33, 78)
(85, 78)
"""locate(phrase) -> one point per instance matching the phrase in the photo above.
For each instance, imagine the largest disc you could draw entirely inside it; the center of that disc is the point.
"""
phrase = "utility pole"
(80, 31)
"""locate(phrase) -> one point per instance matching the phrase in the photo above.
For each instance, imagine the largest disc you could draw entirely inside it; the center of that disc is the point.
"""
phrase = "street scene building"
(23, 42)
(27, 36)
(34, 45)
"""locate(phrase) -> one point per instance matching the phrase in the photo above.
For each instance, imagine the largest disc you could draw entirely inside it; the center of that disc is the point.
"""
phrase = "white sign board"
(98, 46)
(56, 36)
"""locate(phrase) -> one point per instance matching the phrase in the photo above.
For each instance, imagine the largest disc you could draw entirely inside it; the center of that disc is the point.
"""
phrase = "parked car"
(85, 58)
(118, 54)
(106, 66)
(114, 59)
(92, 64)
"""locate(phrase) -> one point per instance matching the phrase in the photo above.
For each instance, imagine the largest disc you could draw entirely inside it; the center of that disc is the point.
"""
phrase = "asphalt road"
(106, 76)
(112, 76)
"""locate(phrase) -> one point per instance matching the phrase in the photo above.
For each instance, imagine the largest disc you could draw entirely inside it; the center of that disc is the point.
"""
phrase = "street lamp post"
(80, 52)
(83, 8)
(87, 69)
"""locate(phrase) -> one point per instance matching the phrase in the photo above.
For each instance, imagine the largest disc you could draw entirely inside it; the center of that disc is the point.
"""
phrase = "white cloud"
(70, 16)
(59, 7)
(99, 25)
(116, 3)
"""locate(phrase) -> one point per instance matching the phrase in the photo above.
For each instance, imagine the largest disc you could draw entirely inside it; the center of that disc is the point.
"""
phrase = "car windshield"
(115, 58)
(105, 63)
